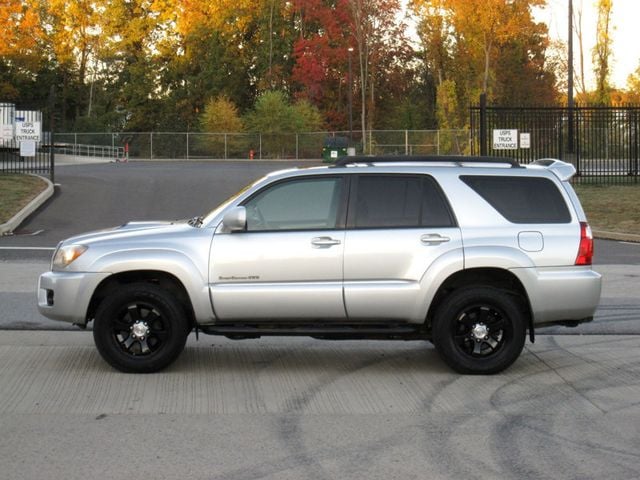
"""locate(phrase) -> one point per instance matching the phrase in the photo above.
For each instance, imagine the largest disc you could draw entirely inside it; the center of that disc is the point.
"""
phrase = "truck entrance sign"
(28, 131)
(505, 139)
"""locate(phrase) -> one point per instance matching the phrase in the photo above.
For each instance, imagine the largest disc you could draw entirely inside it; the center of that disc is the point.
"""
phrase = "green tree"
(306, 117)
(278, 121)
(271, 114)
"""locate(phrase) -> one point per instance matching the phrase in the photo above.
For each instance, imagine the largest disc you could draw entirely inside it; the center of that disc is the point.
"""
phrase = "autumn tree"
(633, 87)
(493, 47)
(381, 45)
(22, 52)
(320, 54)
(602, 51)
(221, 115)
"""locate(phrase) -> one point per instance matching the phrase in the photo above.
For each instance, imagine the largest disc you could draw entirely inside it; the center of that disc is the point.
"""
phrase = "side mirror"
(235, 219)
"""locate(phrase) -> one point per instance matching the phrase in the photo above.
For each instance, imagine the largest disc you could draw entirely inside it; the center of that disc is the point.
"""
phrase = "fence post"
(296, 146)
(52, 120)
(226, 152)
(483, 124)
(406, 142)
(437, 142)
(260, 149)
(636, 140)
(187, 145)
(150, 145)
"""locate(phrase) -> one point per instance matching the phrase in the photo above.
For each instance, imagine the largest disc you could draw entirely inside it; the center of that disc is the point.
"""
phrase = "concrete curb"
(622, 237)
(31, 207)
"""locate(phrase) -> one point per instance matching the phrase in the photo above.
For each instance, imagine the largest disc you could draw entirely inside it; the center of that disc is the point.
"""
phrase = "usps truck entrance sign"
(505, 139)
(26, 131)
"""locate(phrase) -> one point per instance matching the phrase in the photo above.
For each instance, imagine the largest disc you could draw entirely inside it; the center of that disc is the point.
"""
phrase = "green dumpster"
(334, 148)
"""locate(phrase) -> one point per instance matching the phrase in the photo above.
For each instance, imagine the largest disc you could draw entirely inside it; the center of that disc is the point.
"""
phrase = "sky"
(626, 34)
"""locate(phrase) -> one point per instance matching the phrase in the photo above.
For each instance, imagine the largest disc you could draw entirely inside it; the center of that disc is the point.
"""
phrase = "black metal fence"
(602, 142)
(28, 156)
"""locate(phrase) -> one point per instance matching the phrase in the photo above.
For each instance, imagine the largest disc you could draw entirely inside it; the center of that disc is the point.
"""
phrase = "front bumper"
(65, 296)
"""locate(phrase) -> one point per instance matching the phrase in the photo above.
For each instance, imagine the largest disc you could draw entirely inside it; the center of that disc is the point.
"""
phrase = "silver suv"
(469, 253)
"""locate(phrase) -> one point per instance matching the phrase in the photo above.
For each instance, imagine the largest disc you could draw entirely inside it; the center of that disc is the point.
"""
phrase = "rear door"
(398, 226)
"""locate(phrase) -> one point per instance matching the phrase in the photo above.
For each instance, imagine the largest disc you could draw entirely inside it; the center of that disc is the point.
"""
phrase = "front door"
(288, 263)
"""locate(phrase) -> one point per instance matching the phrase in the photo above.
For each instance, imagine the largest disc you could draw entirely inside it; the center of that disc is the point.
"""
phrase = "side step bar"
(322, 331)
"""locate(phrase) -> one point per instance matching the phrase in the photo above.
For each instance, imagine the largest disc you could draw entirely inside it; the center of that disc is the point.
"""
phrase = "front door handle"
(324, 242)
(433, 239)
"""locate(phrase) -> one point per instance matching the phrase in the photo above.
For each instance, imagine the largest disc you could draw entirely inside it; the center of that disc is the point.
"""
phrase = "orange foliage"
(20, 28)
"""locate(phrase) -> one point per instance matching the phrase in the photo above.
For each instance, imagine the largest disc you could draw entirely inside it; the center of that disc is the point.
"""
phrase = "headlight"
(67, 254)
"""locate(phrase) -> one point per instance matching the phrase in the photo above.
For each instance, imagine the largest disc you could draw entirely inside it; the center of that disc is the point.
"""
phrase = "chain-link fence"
(260, 146)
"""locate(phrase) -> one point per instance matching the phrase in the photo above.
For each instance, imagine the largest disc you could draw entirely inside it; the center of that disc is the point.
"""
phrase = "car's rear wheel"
(479, 330)
(140, 328)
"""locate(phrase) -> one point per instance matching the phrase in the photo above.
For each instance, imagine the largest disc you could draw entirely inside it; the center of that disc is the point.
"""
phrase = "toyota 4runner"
(469, 253)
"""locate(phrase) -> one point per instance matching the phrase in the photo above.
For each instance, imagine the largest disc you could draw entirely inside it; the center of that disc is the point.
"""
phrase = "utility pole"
(350, 98)
(570, 130)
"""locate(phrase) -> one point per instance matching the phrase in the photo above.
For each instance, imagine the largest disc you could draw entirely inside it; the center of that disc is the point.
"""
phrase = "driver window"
(304, 204)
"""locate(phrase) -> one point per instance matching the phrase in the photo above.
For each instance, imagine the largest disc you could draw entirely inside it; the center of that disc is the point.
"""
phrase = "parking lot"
(298, 408)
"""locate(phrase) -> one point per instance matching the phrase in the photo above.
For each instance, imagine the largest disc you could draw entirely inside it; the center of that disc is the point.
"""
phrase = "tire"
(140, 328)
(479, 330)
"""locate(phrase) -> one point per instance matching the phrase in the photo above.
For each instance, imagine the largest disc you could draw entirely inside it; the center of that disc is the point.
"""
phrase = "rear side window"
(521, 199)
(395, 201)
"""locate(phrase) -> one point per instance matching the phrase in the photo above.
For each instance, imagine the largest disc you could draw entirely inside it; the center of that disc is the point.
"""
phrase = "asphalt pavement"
(298, 408)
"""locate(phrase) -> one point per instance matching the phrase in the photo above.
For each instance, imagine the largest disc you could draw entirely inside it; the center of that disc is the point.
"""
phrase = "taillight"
(585, 251)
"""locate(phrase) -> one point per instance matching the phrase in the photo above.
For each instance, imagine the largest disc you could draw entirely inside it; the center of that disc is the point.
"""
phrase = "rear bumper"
(561, 294)
(65, 296)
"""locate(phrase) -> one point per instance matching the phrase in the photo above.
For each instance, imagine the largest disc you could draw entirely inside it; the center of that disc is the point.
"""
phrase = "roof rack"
(344, 161)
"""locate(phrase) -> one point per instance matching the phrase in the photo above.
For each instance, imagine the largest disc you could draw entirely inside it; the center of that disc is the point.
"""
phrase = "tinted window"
(399, 201)
(522, 199)
(305, 204)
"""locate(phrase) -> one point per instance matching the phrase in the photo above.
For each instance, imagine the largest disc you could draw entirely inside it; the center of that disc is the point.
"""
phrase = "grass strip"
(16, 191)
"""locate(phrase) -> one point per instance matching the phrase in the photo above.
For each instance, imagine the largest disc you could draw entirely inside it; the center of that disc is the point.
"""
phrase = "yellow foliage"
(20, 27)
(227, 16)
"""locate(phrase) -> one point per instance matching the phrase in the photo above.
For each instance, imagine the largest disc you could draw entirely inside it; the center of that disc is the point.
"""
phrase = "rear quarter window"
(521, 199)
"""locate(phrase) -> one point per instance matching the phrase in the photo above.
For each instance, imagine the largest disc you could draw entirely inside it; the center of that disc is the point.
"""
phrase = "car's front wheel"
(140, 328)
(479, 330)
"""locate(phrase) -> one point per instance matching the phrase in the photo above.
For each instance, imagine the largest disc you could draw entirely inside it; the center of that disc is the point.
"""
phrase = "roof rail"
(370, 159)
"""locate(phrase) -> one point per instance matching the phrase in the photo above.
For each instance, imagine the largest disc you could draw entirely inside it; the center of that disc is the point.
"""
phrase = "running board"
(322, 331)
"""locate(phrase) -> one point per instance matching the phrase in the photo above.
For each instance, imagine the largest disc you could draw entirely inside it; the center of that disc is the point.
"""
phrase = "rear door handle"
(433, 239)
(324, 242)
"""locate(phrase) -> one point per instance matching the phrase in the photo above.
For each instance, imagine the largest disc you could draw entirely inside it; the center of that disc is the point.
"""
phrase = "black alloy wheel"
(479, 330)
(140, 328)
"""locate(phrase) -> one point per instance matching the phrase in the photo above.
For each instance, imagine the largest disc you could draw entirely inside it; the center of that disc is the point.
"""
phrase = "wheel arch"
(164, 280)
(488, 277)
